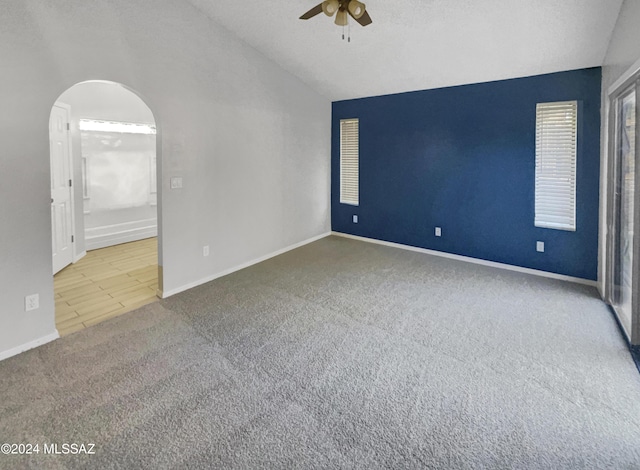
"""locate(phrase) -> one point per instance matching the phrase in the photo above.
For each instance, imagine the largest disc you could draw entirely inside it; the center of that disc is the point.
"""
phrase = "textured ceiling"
(421, 44)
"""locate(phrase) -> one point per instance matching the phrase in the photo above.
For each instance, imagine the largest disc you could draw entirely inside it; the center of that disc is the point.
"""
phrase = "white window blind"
(556, 149)
(349, 165)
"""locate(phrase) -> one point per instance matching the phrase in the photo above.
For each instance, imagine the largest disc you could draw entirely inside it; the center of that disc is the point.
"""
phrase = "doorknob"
(51, 200)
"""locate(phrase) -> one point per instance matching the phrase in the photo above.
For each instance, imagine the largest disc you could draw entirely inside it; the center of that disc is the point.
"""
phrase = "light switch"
(540, 247)
(438, 231)
(176, 182)
(355, 219)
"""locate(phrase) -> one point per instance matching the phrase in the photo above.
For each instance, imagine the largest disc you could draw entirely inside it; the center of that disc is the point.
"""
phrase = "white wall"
(622, 53)
(251, 142)
(120, 184)
(107, 101)
(624, 47)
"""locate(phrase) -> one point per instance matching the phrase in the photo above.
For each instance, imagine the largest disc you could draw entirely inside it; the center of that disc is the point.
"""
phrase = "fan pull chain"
(349, 29)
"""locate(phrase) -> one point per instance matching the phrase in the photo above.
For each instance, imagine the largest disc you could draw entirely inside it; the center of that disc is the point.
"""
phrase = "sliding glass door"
(623, 203)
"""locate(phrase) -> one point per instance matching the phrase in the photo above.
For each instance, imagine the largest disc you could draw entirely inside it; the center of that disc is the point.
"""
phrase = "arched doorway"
(104, 204)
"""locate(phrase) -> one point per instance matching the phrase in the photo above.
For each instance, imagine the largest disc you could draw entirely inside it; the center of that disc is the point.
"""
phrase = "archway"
(105, 204)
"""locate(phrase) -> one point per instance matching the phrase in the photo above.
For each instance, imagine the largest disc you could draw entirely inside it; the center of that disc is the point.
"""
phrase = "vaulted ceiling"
(421, 44)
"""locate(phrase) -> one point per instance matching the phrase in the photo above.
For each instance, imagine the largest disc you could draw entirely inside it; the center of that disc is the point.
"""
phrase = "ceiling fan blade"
(364, 20)
(313, 12)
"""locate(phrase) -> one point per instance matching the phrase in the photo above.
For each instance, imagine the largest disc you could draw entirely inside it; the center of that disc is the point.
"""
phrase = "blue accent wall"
(463, 158)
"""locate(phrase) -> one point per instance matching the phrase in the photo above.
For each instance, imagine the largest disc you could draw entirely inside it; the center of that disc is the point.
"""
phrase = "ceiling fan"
(342, 9)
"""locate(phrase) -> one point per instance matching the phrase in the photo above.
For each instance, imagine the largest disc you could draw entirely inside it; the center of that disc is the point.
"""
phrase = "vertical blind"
(556, 149)
(349, 156)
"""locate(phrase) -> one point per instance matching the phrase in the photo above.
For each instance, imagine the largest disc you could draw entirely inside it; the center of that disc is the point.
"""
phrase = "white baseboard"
(30, 345)
(116, 238)
(468, 259)
(164, 295)
(79, 256)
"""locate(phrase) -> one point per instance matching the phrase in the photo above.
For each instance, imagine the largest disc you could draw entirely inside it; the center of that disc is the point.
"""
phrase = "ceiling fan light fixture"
(356, 9)
(329, 7)
(341, 18)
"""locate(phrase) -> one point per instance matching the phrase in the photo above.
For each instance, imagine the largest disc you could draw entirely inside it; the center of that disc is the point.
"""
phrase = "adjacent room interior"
(104, 228)
(392, 235)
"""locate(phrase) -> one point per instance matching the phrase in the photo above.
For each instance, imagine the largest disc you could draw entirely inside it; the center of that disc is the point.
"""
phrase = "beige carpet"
(340, 354)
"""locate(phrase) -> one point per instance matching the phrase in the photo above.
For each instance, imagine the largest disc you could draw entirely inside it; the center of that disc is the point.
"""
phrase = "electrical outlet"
(438, 231)
(31, 302)
(540, 247)
(355, 219)
(205, 250)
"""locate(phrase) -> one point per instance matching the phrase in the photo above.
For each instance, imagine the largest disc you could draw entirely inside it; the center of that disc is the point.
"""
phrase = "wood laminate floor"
(106, 283)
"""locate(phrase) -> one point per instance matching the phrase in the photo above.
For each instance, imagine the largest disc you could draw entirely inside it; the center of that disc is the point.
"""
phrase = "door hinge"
(72, 238)
(70, 184)
(68, 126)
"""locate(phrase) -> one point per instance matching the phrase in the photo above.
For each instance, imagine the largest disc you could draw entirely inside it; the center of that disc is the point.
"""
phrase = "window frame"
(550, 193)
(347, 193)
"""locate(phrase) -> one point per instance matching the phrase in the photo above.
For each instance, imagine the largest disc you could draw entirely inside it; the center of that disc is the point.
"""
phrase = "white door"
(61, 195)
(623, 249)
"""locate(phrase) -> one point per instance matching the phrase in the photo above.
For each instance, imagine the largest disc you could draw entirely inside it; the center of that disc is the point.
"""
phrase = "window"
(556, 145)
(349, 156)
(121, 127)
